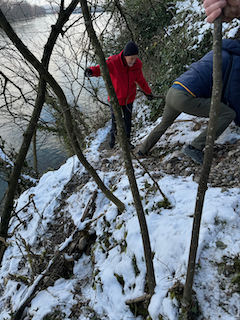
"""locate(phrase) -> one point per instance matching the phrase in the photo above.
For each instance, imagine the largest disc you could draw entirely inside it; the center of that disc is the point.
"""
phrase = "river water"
(66, 68)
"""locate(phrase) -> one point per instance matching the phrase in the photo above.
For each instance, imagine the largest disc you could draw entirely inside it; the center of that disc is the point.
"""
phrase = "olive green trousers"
(178, 101)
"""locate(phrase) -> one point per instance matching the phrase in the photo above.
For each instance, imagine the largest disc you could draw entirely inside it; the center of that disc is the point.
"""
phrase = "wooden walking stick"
(208, 155)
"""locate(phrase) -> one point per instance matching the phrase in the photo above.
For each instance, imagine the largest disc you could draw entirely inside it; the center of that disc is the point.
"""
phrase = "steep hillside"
(59, 267)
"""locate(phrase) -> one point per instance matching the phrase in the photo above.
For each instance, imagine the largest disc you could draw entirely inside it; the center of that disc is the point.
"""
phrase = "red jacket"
(124, 78)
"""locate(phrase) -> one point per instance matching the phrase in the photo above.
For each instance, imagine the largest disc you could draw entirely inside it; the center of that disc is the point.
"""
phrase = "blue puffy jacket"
(198, 78)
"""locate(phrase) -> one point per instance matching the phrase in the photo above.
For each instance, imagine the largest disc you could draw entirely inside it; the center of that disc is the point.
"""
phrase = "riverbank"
(96, 280)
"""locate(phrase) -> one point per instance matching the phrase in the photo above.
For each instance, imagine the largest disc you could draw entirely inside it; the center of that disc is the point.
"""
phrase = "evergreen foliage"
(168, 40)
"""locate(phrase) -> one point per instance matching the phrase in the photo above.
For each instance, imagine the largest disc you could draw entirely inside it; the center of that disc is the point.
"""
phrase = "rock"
(176, 154)
(82, 243)
(196, 178)
(72, 247)
(169, 166)
(224, 170)
(232, 153)
(220, 245)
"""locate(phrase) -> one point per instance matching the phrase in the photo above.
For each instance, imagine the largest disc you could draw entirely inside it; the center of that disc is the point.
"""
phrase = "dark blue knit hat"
(130, 49)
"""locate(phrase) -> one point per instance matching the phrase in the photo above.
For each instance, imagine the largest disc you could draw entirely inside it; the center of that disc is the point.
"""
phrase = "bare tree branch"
(208, 156)
(124, 146)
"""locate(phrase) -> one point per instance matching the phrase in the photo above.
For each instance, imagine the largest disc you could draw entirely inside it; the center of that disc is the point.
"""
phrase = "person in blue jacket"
(191, 93)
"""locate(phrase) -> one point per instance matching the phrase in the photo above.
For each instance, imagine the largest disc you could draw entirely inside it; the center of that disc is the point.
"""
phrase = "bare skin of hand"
(230, 9)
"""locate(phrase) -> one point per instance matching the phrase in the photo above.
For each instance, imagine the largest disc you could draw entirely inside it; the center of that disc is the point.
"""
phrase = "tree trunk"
(12, 185)
(68, 124)
(212, 125)
(34, 144)
(13, 181)
(28, 134)
(124, 146)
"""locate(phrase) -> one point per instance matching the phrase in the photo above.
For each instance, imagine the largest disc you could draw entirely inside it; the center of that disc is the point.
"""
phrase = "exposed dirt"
(170, 160)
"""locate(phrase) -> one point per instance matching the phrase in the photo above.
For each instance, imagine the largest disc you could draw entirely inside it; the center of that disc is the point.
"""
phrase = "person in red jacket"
(125, 70)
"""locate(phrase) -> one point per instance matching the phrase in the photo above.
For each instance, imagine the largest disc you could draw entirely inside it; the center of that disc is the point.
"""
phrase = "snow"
(10, 164)
(5, 158)
(169, 230)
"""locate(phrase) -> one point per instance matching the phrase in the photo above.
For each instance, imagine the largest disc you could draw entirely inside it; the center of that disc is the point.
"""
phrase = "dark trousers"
(127, 116)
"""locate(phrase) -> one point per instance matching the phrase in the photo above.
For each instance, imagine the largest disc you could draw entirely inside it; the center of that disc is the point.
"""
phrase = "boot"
(131, 146)
(195, 154)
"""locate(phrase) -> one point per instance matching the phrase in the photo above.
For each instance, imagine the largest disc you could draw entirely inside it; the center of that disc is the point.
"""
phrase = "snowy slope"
(94, 289)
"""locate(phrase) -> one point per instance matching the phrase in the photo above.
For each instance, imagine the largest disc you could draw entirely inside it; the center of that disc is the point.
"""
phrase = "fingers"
(213, 8)
(215, 3)
(212, 16)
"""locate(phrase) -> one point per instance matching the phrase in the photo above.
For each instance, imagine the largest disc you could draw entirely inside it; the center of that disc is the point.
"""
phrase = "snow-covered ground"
(95, 291)
(101, 295)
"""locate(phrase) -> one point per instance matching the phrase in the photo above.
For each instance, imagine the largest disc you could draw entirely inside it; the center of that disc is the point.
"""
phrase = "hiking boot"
(195, 154)
(141, 155)
(112, 141)
(131, 146)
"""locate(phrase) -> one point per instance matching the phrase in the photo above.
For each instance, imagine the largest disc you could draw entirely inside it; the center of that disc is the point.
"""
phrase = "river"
(64, 66)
